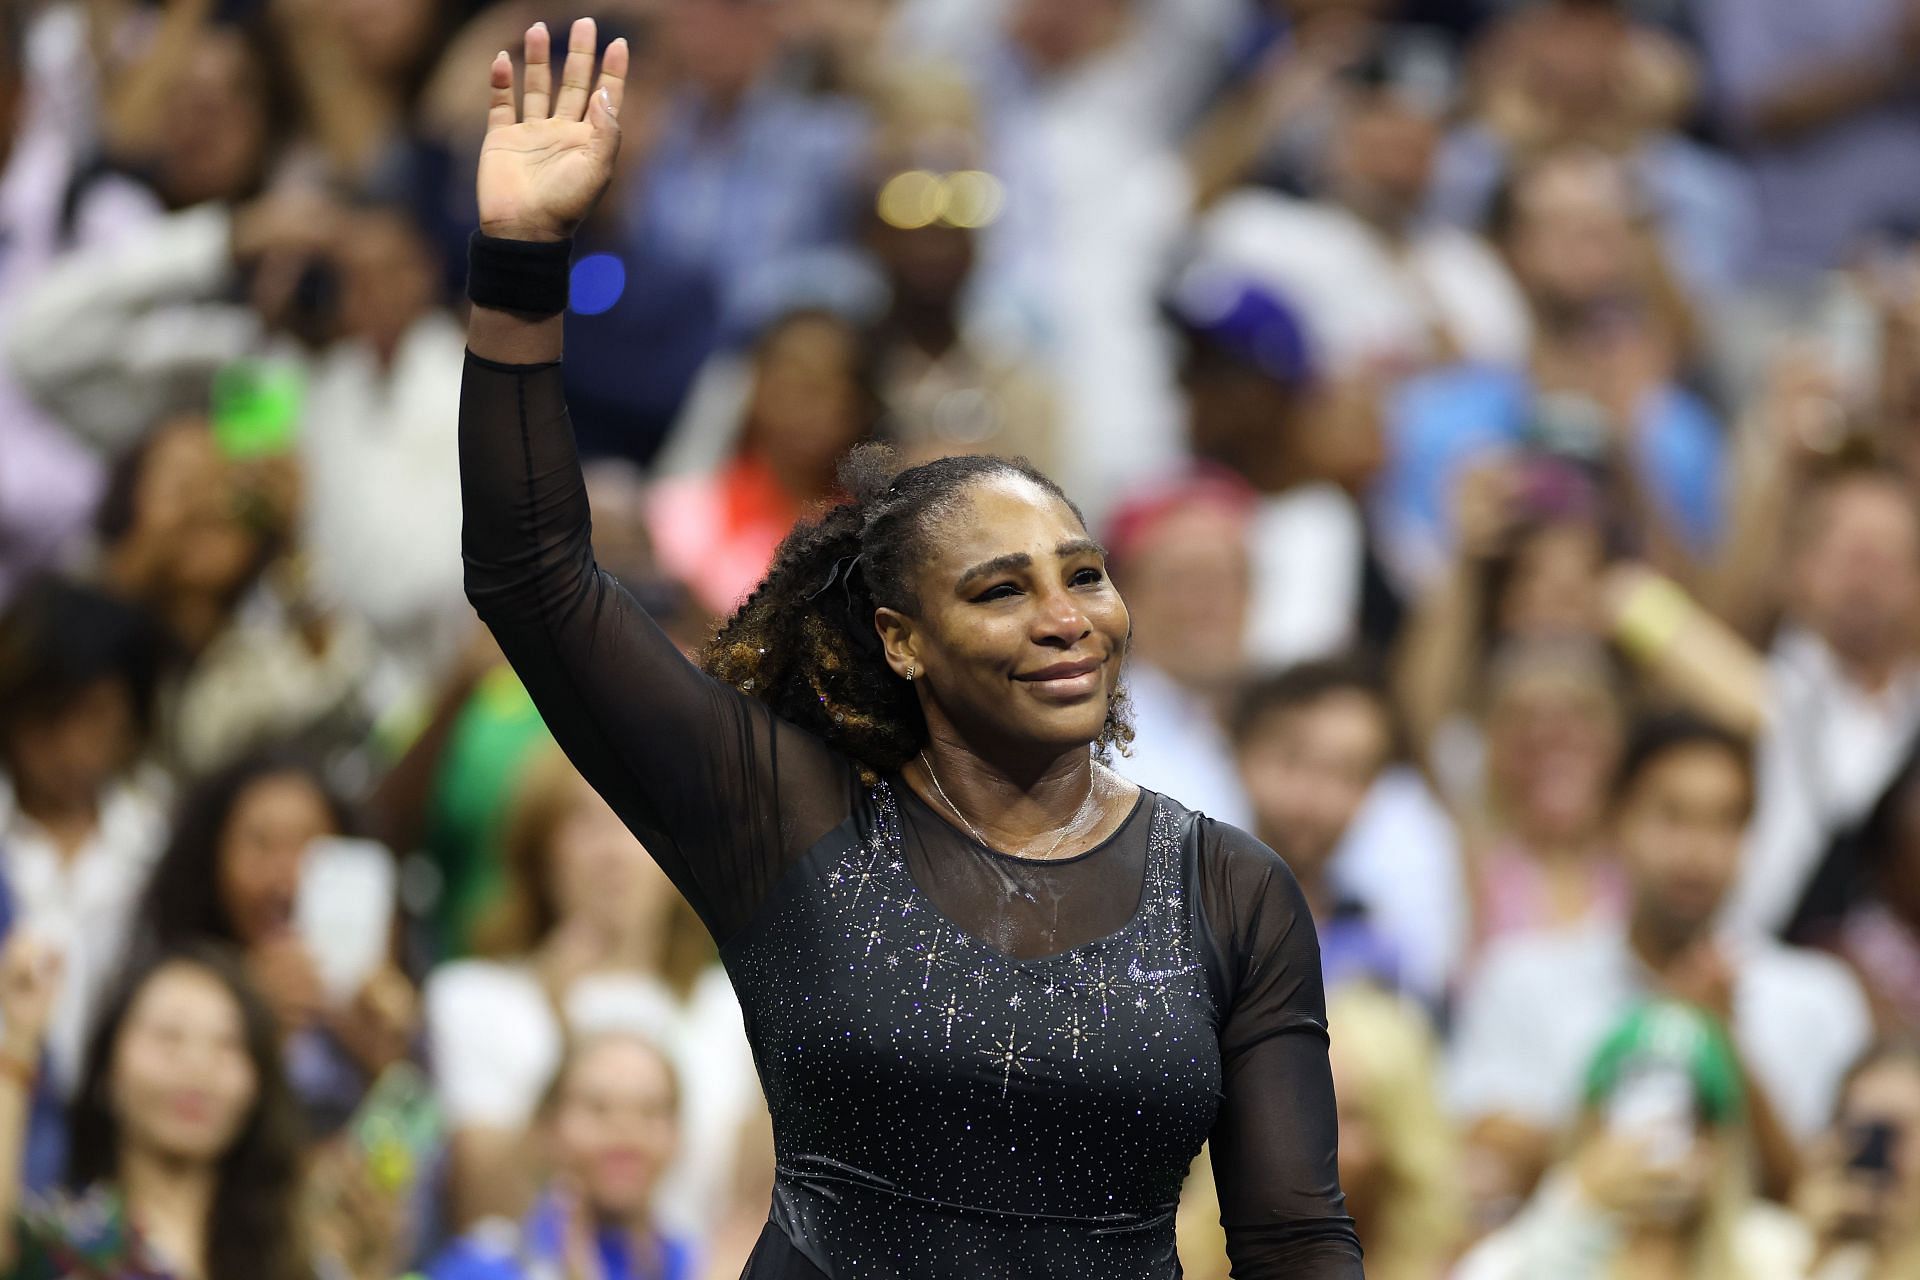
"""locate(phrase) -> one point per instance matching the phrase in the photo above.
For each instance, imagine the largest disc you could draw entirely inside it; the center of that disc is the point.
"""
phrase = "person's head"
(395, 41)
(176, 519)
(1855, 570)
(388, 275)
(184, 1071)
(225, 117)
(1567, 223)
(1665, 1085)
(1553, 728)
(974, 575)
(721, 47)
(1310, 741)
(1877, 1124)
(1682, 798)
(1180, 551)
(1398, 1154)
(1056, 35)
(78, 670)
(612, 1124)
(570, 859)
(1381, 160)
(231, 872)
(813, 398)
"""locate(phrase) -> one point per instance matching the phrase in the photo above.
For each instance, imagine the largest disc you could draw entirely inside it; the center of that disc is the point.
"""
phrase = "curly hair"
(804, 642)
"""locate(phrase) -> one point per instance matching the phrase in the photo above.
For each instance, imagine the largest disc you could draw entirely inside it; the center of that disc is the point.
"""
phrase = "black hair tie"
(840, 608)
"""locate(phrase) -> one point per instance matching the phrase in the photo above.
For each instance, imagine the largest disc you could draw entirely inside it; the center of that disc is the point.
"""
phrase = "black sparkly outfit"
(979, 1067)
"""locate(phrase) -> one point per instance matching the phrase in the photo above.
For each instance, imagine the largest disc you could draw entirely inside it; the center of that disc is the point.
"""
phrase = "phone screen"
(256, 408)
(344, 911)
(1655, 1106)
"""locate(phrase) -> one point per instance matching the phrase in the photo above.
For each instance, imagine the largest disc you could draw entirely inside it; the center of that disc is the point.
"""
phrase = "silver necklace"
(1072, 823)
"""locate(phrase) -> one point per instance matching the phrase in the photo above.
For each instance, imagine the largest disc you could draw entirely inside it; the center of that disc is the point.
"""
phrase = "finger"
(613, 76)
(500, 112)
(539, 73)
(577, 77)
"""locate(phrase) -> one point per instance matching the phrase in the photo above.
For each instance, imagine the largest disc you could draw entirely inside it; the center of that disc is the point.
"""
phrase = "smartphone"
(256, 408)
(398, 1127)
(1872, 1147)
(344, 911)
(1655, 1106)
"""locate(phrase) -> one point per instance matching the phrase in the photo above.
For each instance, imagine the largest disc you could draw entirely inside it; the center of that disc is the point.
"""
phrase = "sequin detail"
(943, 1110)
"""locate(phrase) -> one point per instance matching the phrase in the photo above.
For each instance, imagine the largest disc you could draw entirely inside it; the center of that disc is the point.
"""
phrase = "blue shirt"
(1441, 422)
(538, 1254)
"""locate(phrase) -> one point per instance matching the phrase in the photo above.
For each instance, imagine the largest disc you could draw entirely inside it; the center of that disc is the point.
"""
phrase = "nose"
(1059, 621)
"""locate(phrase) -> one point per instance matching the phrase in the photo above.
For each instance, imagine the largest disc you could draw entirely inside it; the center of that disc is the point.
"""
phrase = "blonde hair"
(1420, 1219)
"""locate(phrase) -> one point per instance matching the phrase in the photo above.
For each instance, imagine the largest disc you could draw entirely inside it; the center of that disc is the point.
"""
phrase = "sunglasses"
(968, 198)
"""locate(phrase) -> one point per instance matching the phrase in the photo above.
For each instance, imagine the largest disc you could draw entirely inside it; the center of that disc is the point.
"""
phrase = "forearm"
(506, 338)
(1822, 98)
(16, 1113)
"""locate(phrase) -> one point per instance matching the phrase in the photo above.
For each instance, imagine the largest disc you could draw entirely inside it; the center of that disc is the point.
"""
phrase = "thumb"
(604, 119)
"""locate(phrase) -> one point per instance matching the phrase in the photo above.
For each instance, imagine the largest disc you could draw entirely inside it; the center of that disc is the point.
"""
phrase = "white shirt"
(495, 1045)
(1542, 1004)
(1829, 750)
(82, 905)
(1180, 750)
(1363, 299)
(1401, 857)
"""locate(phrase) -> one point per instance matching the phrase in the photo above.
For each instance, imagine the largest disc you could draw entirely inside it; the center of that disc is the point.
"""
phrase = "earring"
(912, 671)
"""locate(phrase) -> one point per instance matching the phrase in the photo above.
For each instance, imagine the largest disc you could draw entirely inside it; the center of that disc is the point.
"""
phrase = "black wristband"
(528, 277)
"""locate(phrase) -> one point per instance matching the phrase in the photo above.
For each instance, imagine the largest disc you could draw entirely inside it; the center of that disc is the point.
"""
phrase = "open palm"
(544, 165)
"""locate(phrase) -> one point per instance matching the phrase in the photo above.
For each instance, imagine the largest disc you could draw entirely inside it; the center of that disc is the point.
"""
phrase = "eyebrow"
(1016, 561)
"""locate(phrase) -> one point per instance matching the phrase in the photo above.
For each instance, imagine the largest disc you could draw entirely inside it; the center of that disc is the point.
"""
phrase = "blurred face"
(263, 848)
(182, 1081)
(1888, 1093)
(1554, 584)
(64, 761)
(388, 37)
(722, 46)
(1188, 583)
(1019, 634)
(1857, 573)
(1058, 33)
(807, 408)
(1552, 738)
(600, 871)
(927, 266)
(213, 134)
(1678, 832)
(1383, 159)
(1572, 240)
(388, 279)
(616, 1127)
(187, 501)
(1307, 770)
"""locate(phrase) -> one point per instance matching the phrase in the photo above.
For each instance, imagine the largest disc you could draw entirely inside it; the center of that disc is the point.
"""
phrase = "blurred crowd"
(1503, 417)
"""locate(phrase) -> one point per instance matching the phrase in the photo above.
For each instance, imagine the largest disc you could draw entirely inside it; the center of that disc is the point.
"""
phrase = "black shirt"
(1203, 933)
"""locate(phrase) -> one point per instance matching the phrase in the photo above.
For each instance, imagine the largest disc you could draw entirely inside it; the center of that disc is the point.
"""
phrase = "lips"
(1062, 671)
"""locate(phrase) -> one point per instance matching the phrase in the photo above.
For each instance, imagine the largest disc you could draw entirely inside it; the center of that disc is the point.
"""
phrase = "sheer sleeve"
(1275, 1143)
(722, 793)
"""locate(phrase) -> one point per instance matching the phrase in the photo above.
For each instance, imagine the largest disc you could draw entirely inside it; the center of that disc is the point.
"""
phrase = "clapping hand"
(545, 164)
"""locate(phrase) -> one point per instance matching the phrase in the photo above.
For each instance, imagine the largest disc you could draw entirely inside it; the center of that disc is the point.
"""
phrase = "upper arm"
(1275, 1142)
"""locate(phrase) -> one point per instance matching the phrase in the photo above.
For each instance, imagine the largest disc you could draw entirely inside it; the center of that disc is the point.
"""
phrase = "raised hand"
(29, 984)
(544, 165)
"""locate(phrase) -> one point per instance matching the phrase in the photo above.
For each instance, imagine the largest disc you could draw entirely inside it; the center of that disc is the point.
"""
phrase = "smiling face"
(1015, 635)
(616, 1125)
(262, 849)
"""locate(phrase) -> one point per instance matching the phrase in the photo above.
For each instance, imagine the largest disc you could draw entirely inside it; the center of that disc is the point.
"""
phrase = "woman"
(186, 1142)
(1860, 1195)
(588, 937)
(610, 1125)
(998, 996)
(231, 875)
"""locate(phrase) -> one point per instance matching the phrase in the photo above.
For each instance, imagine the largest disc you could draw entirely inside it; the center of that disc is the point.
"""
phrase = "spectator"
(1600, 386)
(1861, 1194)
(610, 1126)
(1656, 1186)
(1376, 284)
(79, 824)
(1541, 1003)
(1823, 110)
(186, 1142)
(812, 399)
(1845, 683)
(243, 839)
(1313, 743)
(1179, 552)
(586, 936)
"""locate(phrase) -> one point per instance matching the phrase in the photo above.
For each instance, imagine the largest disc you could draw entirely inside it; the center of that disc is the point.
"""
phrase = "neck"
(929, 328)
(68, 822)
(1656, 944)
(1013, 807)
(1654, 1253)
(1869, 672)
(171, 1203)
